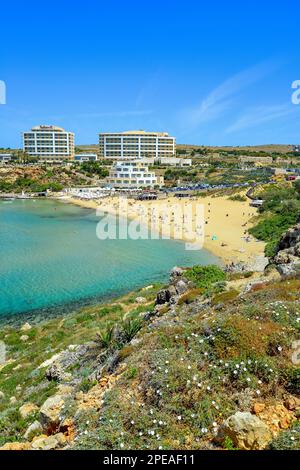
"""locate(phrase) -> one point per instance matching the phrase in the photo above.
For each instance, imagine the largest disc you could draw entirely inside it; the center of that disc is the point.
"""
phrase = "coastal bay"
(51, 257)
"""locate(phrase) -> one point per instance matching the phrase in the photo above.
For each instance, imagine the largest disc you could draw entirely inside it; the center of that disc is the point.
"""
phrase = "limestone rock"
(50, 413)
(49, 442)
(287, 257)
(287, 270)
(27, 409)
(290, 238)
(164, 295)
(246, 431)
(67, 427)
(65, 389)
(276, 417)
(55, 372)
(26, 327)
(141, 300)
(258, 408)
(16, 446)
(50, 361)
(292, 403)
(24, 338)
(161, 309)
(176, 273)
(35, 429)
(181, 287)
(2, 396)
(13, 400)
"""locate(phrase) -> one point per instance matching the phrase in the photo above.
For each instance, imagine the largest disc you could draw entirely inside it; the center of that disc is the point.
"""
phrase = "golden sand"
(225, 230)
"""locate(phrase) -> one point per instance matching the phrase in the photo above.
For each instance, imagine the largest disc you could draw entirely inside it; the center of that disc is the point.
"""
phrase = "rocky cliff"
(287, 257)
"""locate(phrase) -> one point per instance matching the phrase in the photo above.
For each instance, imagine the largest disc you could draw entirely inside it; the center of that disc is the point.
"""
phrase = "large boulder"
(16, 446)
(290, 238)
(72, 355)
(50, 413)
(164, 295)
(289, 270)
(287, 257)
(176, 273)
(181, 287)
(246, 431)
(49, 442)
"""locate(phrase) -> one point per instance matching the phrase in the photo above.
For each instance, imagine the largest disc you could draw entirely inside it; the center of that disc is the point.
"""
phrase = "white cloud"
(258, 115)
(222, 98)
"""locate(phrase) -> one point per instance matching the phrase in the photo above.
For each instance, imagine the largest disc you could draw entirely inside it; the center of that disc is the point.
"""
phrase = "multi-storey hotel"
(136, 144)
(49, 143)
(132, 174)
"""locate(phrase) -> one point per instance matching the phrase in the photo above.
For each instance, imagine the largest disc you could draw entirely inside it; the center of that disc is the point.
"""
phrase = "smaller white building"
(133, 174)
(85, 157)
(175, 161)
(5, 157)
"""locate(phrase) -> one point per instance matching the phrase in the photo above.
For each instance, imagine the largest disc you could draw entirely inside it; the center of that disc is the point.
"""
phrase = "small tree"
(297, 186)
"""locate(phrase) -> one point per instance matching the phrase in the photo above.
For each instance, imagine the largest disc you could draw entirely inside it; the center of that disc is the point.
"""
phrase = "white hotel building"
(133, 174)
(49, 143)
(136, 144)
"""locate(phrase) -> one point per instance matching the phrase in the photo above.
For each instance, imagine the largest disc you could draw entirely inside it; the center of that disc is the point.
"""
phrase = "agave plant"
(104, 337)
(130, 327)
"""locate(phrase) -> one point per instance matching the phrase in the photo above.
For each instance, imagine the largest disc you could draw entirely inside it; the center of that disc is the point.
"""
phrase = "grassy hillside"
(37, 178)
(280, 210)
(164, 377)
(269, 148)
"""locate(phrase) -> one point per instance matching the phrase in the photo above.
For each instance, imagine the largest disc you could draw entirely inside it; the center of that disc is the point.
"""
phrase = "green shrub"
(86, 384)
(189, 297)
(290, 377)
(228, 443)
(225, 297)
(287, 440)
(280, 211)
(238, 197)
(205, 276)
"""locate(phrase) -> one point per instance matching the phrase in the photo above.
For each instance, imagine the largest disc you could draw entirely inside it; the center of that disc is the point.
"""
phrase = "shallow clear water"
(50, 256)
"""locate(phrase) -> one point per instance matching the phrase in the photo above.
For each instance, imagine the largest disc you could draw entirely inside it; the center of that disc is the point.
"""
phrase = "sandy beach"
(225, 222)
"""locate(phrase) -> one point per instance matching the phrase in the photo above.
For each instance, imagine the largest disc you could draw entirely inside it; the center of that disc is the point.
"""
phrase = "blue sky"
(210, 73)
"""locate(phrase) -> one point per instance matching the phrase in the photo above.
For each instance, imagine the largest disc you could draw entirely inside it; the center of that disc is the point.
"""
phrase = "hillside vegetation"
(15, 179)
(159, 369)
(280, 210)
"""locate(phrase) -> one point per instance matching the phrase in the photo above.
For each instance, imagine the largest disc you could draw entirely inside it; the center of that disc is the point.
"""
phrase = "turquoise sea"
(50, 258)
